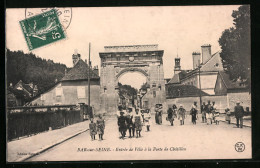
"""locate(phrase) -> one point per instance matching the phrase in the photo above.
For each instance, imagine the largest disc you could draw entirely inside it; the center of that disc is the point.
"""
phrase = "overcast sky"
(185, 28)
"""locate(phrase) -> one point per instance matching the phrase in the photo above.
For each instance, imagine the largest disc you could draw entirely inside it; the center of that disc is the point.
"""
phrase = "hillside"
(30, 68)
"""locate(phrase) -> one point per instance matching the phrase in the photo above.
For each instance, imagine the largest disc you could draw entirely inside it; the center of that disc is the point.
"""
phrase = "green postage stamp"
(42, 29)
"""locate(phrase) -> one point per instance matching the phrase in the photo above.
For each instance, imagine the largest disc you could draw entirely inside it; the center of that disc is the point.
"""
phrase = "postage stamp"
(64, 13)
(42, 29)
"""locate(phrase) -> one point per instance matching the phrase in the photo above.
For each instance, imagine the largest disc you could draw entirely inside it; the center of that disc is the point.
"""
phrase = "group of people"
(209, 113)
(173, 112)
(132, 119)
(97, 128)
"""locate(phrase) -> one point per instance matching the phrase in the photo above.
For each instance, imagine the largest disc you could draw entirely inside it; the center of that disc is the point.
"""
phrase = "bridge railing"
(26, 121)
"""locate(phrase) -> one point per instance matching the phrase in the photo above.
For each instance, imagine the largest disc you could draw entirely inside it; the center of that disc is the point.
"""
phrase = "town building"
(21, 93)
(233, 90)
(209, 75)
(73, 87)
(209, 64)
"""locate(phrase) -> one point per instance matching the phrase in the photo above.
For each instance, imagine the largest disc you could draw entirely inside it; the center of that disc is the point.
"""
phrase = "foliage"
(127, 90)
(29, 68)
(235, 45)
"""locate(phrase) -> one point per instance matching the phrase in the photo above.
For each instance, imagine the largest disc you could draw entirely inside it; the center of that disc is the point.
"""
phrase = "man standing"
(214, 108)
(209, 113)
(239, 114)
(203, 112)
(194, 109)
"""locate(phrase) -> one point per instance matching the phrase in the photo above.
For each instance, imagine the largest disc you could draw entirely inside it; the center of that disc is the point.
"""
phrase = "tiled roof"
(229, 83)
(79, 72)
(26, 87)
(174, 91)
(18, 93)
(178, 77)
(213, 64)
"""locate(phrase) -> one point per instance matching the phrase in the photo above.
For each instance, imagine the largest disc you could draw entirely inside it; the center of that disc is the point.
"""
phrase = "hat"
(181, 105)
(238, 102)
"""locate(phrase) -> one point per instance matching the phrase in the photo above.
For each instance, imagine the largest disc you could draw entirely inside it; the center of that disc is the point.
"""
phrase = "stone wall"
(222, 102)
(243, 97)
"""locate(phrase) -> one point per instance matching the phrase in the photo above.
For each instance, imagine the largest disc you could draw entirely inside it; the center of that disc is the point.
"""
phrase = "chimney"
(35, 90)
(75, 57)
(196, 59)
(95, 70)
(206, 52)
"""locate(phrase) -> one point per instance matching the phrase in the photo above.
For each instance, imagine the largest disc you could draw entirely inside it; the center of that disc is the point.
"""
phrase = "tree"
(235, 45)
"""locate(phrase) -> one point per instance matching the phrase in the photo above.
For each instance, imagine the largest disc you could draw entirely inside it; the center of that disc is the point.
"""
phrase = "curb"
(45, 148)
(236, 124)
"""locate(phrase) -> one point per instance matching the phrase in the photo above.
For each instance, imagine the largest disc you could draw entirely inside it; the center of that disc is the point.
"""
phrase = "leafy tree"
(235, 45)
(30, 68)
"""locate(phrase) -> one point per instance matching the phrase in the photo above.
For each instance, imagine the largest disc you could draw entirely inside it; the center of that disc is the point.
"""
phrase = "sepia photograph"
(128, 83)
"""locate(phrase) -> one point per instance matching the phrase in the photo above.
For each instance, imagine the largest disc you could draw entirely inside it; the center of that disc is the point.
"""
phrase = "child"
(147, 117)
(181, 114)
(217, 117)
(228, 114)
(100, 127)
(138, 123)
(122, 125)
(92, 129)
(130, 123)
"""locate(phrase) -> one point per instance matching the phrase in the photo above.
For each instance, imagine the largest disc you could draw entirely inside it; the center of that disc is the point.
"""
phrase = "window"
(154, 93)
(42, 96)
(58, 91)
(81, 92)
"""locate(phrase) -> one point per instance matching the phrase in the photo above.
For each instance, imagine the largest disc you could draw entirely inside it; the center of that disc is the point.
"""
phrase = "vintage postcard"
(128, 83)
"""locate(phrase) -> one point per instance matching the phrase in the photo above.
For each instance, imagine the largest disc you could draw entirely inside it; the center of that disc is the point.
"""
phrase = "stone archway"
(117, 60)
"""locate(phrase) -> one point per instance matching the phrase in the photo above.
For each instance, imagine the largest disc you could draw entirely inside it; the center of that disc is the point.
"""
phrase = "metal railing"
(26, 121)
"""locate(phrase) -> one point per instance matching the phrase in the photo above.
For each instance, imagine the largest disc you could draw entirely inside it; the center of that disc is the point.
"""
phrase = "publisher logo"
(240, 146)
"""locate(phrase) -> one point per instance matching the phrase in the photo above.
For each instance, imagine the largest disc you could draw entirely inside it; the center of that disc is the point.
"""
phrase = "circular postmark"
(64, 14)
(240, 146)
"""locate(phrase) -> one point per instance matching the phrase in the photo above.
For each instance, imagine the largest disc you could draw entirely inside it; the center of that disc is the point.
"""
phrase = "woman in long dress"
(160, 112)
(100, 127)
(171, 114)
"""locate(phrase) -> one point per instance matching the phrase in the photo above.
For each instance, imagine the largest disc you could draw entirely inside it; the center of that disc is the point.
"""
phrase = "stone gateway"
(118, 60)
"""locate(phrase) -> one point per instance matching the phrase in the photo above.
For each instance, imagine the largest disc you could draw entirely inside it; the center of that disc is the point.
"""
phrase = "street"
(176, 142)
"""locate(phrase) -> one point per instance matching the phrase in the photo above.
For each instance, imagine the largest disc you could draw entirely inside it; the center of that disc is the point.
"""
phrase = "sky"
(176, 29)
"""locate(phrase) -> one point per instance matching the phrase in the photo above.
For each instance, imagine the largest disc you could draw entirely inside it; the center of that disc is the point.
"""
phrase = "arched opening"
(129, 88)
